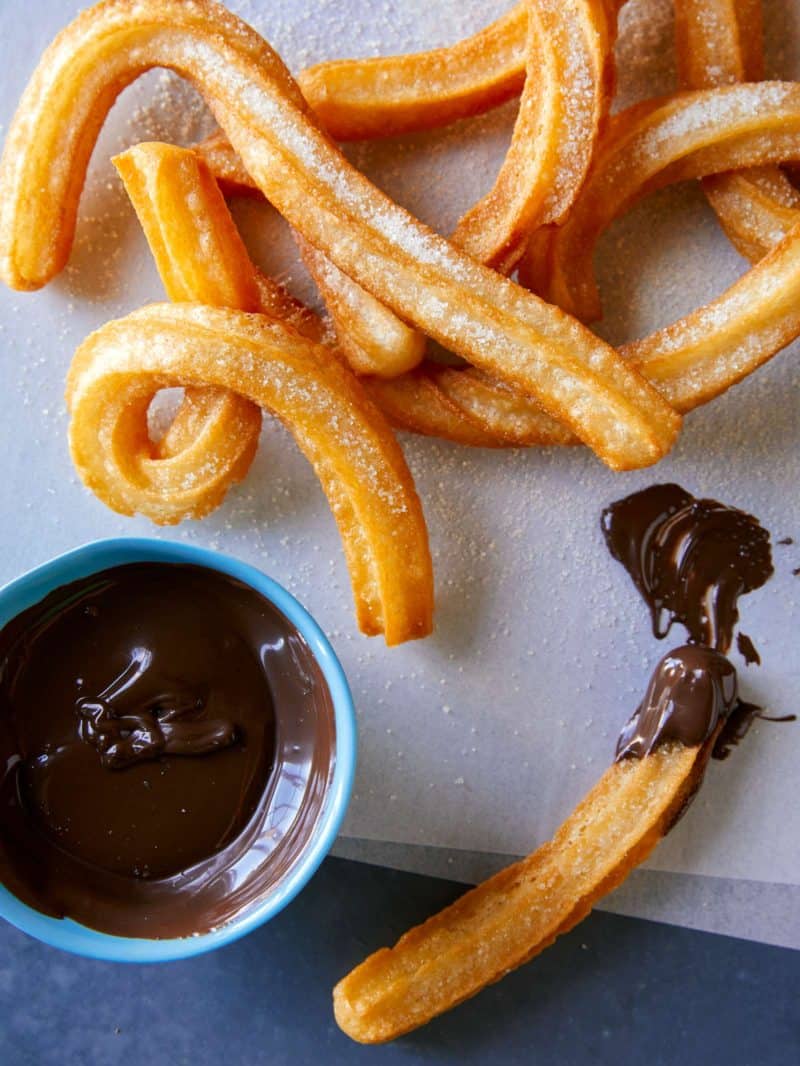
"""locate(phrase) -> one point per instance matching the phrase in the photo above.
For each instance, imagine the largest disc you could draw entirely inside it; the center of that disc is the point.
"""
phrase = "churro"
(201, 258)
(572, 374)
(360, 99)
(691, 361)
(691, 560)
(568, 87)
(519, 912)
(719, 42)
(117, 371)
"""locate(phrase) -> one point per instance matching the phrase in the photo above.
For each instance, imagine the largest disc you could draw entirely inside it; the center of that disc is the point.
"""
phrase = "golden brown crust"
(516, 914)
(117, 371)
(719, 42)
(575, 376)
(360, 99)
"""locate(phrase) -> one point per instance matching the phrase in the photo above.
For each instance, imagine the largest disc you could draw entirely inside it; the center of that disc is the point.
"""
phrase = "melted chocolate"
(691, 690)
(690, 559)
(747, 650)
(167, 741)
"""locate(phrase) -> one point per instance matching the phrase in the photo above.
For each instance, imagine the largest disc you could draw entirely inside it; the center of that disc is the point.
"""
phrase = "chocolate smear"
(691, 559)
(747, 649)
(691, 689)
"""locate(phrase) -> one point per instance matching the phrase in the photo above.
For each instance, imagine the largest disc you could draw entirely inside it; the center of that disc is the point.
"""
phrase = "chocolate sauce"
(690, 559)
(747, 650)
(167, 741)
(691, 689)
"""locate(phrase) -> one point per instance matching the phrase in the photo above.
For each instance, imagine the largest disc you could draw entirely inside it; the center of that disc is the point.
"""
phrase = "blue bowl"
(89, 559)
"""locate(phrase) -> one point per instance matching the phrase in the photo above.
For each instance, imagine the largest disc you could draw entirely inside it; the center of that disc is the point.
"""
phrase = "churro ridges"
(519, 912)
(119, 368)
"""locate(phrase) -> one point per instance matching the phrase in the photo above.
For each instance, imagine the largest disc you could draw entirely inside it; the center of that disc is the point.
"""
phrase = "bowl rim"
(29, 588)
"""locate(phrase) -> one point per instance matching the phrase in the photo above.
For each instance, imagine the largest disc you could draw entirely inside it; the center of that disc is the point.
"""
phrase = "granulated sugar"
(539, 637)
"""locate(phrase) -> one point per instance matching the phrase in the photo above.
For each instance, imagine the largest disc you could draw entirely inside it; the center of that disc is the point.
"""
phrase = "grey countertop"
(616, 990)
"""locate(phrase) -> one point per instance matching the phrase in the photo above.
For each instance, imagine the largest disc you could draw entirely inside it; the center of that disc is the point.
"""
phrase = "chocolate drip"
(145, 840)
(738, 724)
(691, 689)
(690, 559)
(747, 649)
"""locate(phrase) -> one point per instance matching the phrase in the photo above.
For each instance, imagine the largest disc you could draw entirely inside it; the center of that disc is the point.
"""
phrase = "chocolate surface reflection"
(690, 559)
(692, 689)
(167, 739)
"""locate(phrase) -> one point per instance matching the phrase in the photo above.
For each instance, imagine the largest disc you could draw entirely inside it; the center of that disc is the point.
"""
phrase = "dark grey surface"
(616, 990)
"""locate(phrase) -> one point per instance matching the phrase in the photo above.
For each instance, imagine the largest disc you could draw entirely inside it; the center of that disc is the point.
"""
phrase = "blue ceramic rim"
(88, 559)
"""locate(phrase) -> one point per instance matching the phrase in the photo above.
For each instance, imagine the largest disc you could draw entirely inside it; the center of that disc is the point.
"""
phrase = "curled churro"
(201, 257)
(719, 42)
(574, 376)
(567, 93)
(651, 145)
(117, 371)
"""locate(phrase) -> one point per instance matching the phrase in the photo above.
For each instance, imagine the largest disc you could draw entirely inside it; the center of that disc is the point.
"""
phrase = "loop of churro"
(719, 42)
(117, 371)
(575, 377)
(201, 258)
(648, 146)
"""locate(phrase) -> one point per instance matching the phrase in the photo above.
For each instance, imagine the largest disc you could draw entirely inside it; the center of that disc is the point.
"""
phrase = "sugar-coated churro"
(118, 370)
(719, 42)
(576, 377)
(519, 912)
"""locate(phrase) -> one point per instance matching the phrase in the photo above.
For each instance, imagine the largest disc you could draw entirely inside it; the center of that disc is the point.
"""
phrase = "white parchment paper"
(483, 737)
